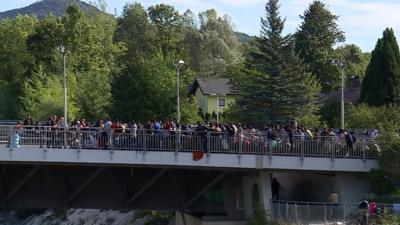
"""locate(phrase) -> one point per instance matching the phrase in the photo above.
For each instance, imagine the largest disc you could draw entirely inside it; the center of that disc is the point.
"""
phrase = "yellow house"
(213, 96)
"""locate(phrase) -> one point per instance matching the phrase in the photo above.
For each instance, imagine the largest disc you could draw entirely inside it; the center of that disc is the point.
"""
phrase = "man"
(363, 209)
(334, 197)
(275, 186)
(28, 122)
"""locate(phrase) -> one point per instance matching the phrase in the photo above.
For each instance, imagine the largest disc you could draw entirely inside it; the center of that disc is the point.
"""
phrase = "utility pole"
(64, 53)
(341, 66)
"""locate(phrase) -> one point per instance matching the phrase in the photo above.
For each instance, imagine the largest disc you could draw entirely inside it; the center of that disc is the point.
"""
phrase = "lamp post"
(178, 110)
(64, 53)
(341, 66)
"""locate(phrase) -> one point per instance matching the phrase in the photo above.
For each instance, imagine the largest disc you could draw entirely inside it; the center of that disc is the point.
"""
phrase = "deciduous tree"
(315, 39)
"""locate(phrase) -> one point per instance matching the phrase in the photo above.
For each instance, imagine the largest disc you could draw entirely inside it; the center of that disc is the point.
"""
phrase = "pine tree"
(275, 84)
(381, 85)
(315, 39)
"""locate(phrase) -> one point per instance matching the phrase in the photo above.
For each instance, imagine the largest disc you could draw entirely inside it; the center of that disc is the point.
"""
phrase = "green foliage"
(146, 87)
(90, 54)
(259, 216)
(136, 32)
(381, 182)
(355, 61)
(381, 85)
(158, 218)
(330, 112)
(169, 29)
(363, 116)
(315, 39)
(15, 62)
(389, 142)
(214, 47)
(43, 96)
(275, 84)
(310, 120)
(387, 217)
(190, 111)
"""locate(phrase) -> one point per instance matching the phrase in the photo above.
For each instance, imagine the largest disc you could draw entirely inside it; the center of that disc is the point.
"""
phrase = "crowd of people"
(103, 131)
(274, 132)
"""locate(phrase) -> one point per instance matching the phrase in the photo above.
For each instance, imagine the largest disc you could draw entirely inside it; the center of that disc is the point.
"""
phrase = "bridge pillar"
(352, 188)
(257, 191)
(266, 191)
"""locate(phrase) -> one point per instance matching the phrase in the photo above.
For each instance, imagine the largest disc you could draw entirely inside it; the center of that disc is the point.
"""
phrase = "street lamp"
(64, 53)
(178, 67)
(341, 65)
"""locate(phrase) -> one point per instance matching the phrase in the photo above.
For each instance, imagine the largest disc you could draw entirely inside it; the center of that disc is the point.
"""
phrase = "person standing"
(276, 186)
(334, 197)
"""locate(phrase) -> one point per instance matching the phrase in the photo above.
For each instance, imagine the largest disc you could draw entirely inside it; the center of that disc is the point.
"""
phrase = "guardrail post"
(144, 143)
(301, 153)
(177, 144)
(65, 138)
(79, 143)
(208, 137)
(41, 139)
(364, 151)
(111, 153)
(287, 210)
(332, 153)
(344, 214)
(240, 148)
(10, 144)
(113, 140)
(270, 149)
(295, 213)
(325, 214)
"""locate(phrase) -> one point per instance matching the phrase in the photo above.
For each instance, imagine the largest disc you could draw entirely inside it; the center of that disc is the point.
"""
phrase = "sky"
(363, 21)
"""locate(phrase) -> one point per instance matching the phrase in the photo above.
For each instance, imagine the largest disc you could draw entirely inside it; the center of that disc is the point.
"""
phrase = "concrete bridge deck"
(201, 174)
(180, 150)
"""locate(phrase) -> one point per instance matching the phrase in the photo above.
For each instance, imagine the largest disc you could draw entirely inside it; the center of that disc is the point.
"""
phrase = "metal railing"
(144, 140)
(290, 212)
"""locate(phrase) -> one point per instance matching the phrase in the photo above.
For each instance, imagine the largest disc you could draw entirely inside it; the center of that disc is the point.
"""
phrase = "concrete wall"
(352, 188)
(262, 181)
(233, 204)
(317, 186)
(305, 186)
(248, 182)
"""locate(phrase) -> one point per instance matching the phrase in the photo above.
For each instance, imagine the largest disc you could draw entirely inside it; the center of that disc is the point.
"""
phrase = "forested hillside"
(42, 8)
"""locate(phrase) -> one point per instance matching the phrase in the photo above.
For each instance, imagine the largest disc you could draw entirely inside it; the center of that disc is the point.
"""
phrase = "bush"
(388, 218)
(381, 182)
(159, 218)
(310, 121)
(330, 112)
(259, 216)
(364, 116)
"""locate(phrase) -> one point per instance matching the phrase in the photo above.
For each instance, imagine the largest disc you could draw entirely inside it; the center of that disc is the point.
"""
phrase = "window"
(221, 102)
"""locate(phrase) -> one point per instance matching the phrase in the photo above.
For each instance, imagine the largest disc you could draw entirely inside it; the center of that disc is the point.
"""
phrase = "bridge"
(201, 174)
